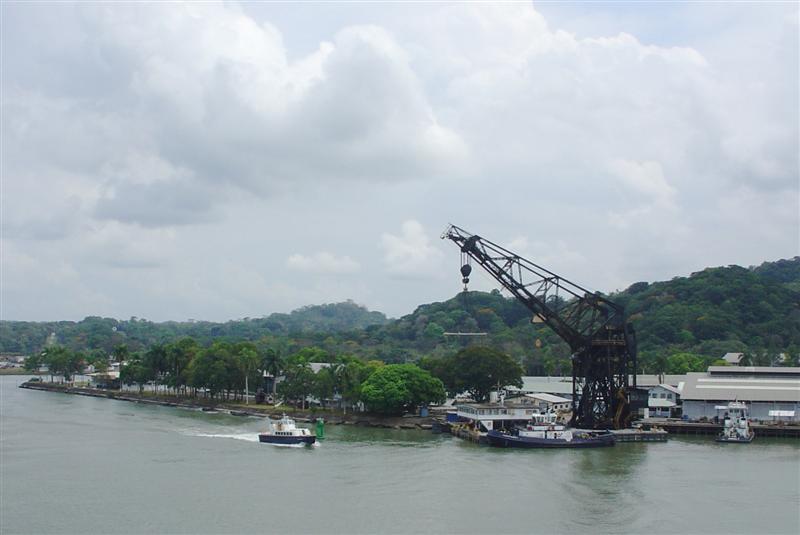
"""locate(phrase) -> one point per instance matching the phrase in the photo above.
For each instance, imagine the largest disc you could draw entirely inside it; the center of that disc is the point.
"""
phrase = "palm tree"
(248, 361)
(120, 353)
(272, 364)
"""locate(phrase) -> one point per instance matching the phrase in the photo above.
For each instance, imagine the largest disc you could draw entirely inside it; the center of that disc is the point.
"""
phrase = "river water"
(74, 464)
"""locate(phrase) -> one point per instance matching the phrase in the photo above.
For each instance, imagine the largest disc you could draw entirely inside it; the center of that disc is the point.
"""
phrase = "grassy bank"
(14, 371)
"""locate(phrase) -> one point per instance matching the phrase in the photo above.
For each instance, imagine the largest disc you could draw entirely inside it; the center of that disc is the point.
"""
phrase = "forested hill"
(106, 333)
(756, 308)
(753, 310)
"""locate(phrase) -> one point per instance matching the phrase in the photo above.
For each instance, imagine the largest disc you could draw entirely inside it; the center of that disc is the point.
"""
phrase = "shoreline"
(14, 371)
(236, 409)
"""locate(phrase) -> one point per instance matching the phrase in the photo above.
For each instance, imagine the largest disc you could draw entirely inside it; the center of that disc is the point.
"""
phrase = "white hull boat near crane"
(735, 424)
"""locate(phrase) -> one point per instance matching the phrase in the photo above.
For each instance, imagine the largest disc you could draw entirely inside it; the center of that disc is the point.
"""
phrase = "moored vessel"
(284, 431)
(543, 431)
(735, 424)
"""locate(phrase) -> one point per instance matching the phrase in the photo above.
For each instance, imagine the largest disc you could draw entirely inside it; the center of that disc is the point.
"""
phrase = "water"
(73, 464)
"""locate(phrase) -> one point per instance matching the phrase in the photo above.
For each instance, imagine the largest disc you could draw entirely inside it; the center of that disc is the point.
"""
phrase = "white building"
(765, 390)
(663, 401)
(550, 402)
(734, 359)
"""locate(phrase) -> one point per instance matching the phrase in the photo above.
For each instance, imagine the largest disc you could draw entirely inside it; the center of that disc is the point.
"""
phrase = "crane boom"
(602, 342)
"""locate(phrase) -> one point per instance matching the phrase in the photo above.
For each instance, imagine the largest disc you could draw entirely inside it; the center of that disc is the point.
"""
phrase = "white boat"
(284, 431)
(735, 424)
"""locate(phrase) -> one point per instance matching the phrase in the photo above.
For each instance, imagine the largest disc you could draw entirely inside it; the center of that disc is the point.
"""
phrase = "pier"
(640, 435)
(679, 427)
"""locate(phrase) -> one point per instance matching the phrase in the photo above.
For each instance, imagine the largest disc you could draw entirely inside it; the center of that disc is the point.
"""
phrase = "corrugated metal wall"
(758, 410)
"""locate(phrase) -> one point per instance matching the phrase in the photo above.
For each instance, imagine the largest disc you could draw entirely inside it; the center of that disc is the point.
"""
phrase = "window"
(662, 395)
(669, 396)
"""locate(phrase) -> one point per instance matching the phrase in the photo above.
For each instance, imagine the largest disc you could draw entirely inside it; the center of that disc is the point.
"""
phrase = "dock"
(679, 427)
(640, 435)
(465, 432)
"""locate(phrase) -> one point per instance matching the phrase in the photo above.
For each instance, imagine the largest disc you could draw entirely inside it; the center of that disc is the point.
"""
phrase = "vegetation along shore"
(345, 358)
(330, 416)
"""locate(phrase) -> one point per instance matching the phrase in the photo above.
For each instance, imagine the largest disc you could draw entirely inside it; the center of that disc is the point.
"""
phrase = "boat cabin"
(488, 416)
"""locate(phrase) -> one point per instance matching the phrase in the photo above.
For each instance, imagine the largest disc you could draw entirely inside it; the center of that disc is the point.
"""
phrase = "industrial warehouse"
(771, 393)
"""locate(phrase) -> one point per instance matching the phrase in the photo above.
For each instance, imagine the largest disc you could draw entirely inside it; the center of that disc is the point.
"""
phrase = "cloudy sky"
(226, 160)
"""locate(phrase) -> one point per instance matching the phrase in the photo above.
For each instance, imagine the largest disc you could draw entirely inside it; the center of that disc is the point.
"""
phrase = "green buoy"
(320, 428)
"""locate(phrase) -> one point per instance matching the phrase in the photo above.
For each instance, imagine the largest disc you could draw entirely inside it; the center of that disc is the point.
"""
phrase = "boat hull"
(272, 439)
(737, 440)
(504, 440)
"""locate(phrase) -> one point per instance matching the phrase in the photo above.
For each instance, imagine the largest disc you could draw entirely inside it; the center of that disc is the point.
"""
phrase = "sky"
(216, 161)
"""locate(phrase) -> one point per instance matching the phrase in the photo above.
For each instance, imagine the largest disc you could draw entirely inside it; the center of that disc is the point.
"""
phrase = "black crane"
(602, 342)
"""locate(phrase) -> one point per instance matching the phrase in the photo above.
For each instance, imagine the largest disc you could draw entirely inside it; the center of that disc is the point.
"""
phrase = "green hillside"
(687, 322)
(106, 333)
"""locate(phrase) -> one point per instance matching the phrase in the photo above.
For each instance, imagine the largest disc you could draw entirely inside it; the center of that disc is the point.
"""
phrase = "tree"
(248, 363)
(209, 369)
(100, 363)
(120, 353)
(434, 331)
(178, 357)
(135, 372)
(298, 379)
(62, 361)
(479, 370)
(683, 363)
(792, 356)
(396, 388)
(325, 383)
(441, 368)
(351, 375)
(32, 363)
(155, 360)
(272, 363)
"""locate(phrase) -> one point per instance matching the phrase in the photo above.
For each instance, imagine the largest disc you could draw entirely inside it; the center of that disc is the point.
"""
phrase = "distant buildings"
(559, 386)
(550, 402)
(734, 359)
(12, 361)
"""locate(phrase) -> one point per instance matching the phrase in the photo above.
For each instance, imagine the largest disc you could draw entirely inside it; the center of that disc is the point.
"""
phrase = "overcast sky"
(224, 160)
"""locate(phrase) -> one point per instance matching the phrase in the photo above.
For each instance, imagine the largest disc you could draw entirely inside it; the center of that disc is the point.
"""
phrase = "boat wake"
(286, 445)
(247, 437)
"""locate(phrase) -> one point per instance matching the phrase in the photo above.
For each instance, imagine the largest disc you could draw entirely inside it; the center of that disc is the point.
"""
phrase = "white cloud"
(323, 263)
(197, 101)
(554, 256)
(646, 178)
(411, 254)
(167, 138)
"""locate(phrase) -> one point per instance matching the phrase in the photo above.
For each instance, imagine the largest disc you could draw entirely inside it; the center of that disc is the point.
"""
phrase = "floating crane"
(602, 341)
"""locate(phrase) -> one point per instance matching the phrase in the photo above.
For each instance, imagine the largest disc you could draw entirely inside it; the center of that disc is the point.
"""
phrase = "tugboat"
(735, 424)
(544, 432)
(284, 431)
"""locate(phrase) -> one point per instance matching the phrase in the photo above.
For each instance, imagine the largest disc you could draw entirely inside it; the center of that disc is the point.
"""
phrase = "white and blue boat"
(735, 424)
(543, 431)
(285, 432)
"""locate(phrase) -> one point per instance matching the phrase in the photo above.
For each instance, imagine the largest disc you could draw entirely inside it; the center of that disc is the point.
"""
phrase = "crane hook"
(466, 269)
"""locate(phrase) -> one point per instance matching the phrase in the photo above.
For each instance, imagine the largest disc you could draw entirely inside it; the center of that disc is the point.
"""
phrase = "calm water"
(72, 464)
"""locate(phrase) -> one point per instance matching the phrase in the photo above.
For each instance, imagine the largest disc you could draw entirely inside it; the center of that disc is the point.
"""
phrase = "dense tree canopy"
(397, 388)
(477, 370)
